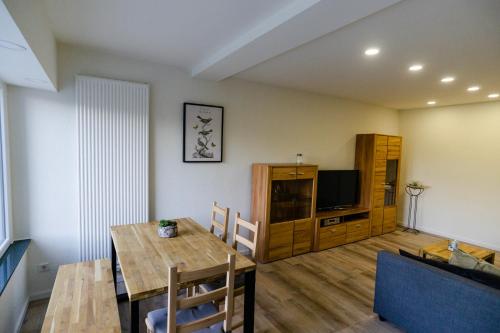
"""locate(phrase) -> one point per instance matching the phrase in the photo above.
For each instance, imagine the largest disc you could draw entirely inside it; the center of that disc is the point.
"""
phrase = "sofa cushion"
(465, 260)
(478, 276)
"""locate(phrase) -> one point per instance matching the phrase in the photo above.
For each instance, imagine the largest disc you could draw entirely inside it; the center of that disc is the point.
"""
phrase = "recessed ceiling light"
(372, 51)
(11, 45)
(473, 88)
(33, 80)
(447, 79)
(495, 95)
(431, 102)
(415, 68)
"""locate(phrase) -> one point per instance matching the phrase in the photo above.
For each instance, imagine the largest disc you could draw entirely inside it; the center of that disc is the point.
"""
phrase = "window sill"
(10, 260)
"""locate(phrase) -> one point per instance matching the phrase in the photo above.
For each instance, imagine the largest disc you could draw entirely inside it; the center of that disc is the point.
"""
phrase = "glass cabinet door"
(391, 176)
(291, 200)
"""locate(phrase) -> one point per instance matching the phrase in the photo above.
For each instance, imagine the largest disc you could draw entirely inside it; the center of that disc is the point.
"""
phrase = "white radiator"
(113, 133)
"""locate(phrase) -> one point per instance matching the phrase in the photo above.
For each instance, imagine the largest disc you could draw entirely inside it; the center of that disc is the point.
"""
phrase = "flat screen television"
(337, 189)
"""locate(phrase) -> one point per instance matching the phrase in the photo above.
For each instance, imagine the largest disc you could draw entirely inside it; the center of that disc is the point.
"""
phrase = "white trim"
(4, 121)
(40, 295)
(22, 315)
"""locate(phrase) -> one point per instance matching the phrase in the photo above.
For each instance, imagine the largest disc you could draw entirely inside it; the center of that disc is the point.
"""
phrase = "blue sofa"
(418, 297)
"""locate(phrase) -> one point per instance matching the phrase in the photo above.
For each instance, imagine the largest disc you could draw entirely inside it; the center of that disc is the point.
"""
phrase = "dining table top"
(145, 257)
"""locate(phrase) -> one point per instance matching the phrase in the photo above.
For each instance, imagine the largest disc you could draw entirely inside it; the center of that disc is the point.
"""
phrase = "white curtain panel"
(113, 132)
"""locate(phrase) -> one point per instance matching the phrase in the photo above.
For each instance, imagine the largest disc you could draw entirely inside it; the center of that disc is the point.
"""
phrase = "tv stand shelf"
(349, 225)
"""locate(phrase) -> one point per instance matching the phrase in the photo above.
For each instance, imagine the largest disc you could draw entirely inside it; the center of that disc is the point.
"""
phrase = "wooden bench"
(83, 299)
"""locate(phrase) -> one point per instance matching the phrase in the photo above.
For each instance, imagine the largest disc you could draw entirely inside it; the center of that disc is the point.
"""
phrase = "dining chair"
(220, 226)
(251, 244)
(197, 313)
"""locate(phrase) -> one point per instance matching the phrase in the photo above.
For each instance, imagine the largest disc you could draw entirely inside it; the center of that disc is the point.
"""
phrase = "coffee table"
(440, 251)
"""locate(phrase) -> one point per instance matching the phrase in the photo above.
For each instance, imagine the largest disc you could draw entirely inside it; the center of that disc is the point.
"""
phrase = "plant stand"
(414, 192)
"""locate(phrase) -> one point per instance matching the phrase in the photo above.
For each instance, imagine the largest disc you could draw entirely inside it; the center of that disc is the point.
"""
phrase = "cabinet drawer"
(381, 140)
(306, 172)
(332, 231)
(358, 235)
(280, 240)
(356, 226)
(302, 237)
(394, 140)
(284, 173)
(332, 241)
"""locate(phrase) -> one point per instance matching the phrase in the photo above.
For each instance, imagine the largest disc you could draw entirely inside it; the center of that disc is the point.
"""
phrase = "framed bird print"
(203, 125)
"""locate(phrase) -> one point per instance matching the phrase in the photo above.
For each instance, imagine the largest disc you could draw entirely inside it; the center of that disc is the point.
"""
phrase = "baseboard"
(21, 317)
(40, 295)
(459, 238)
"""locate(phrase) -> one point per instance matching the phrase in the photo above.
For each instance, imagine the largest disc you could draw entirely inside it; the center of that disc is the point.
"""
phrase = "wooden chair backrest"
(251, 243)
(221, 226)
(226, 292)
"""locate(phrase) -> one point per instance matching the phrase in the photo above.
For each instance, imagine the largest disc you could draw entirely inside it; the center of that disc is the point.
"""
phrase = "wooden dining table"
(144, 259)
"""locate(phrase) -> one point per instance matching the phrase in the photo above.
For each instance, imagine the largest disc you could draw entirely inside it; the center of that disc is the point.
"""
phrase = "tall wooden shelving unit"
(284, 202)
(378, 157)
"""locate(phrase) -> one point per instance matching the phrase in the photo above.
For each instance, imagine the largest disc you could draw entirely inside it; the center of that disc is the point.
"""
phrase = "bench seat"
(83, 299)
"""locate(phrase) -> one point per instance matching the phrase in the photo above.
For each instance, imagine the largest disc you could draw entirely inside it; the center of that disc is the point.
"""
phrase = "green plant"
(167, 223)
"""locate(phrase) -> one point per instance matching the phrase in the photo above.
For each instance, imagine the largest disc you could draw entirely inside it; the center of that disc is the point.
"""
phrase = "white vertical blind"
(113, 133)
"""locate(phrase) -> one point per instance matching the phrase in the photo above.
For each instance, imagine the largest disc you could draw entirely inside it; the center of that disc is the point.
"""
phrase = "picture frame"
(202, 133)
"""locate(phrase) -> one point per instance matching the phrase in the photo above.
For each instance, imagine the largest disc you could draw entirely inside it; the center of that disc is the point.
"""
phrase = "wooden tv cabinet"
(353, 225)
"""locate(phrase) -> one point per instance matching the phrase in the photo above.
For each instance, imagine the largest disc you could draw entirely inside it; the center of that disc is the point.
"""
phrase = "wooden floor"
(327, 291)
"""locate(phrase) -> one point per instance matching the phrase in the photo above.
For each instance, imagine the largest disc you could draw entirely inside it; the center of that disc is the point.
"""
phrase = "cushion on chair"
(239, 281)
(158, 318)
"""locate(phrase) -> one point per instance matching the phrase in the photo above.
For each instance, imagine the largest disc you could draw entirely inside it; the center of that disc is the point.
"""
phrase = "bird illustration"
(213, 144)
(204, 120)
(195, 126)
(202, 144)
(204, 133)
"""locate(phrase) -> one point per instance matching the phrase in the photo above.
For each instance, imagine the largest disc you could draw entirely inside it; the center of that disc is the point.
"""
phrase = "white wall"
(14, 299)
(456, 151)
(261, 124)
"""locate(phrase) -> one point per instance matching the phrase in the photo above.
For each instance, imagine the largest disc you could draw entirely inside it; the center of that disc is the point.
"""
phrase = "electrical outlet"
(43, 267)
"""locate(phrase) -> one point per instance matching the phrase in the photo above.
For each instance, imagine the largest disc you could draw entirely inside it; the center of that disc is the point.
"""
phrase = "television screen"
(337, 189)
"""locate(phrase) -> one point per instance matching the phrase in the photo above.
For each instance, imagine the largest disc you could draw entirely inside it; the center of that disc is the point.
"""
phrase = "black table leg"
(134, 316)
(113, 262)
(249, 306)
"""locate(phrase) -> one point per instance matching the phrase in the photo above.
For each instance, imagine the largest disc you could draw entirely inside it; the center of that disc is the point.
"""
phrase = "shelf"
(343, 212)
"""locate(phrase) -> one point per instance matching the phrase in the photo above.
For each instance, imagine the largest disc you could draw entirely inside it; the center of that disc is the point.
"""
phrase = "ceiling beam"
(296, 24)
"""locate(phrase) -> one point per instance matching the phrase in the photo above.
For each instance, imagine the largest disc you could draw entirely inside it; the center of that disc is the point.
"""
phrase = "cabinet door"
(302, 236)
(280, 240)
(394, 148)
(389, 219)
(377, 221)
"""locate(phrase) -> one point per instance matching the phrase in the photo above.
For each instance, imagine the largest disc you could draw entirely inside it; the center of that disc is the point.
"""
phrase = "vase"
(168, 231)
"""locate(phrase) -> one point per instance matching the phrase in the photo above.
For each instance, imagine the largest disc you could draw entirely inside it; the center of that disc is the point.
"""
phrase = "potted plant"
(167, 229)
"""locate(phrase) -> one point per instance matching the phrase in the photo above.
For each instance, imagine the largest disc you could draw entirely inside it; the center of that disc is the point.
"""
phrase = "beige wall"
(261, 124)
(456, 151)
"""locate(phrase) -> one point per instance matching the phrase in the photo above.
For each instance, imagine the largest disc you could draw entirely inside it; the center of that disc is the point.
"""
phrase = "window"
(5, 230)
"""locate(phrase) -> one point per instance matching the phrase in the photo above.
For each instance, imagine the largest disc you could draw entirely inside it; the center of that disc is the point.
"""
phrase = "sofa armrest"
(421, 298)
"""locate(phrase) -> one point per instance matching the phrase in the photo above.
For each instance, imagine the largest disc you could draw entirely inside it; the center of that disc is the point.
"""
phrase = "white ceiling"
(177, 32)
(25, 66)
(313, 45)
(449, 37)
